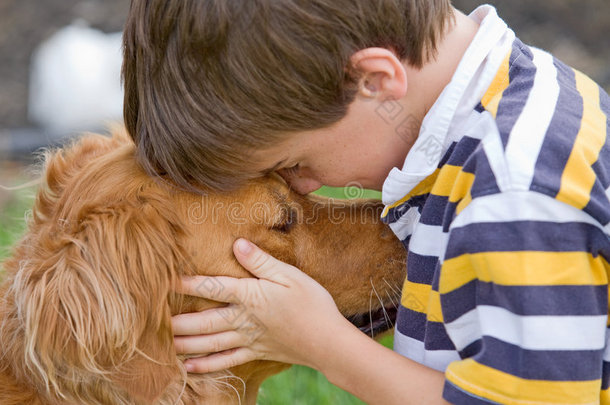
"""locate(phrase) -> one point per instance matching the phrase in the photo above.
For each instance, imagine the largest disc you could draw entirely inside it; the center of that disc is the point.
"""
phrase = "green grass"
(296, 386)
(348, 192)
(12, 218)
(303, 386)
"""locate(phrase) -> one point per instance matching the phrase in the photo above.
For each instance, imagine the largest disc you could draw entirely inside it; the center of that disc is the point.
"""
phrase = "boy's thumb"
(258, 262)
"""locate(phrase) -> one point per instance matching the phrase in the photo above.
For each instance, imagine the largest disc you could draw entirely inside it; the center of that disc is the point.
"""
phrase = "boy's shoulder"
(551, 126)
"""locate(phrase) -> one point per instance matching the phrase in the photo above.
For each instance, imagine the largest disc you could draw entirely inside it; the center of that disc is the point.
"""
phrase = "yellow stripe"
(464, 203)
(422, 188)
(421, 298)
(463, 184)
(605, 397)
(504, 388)
(578, 177)
(452, 182)
(524, 269)
(491, 99)
(446, 180)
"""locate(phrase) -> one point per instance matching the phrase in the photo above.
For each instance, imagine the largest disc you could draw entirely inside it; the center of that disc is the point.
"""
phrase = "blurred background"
(59, 75)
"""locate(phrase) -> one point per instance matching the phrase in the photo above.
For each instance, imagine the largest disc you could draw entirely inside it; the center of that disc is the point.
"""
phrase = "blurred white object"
(75, 80)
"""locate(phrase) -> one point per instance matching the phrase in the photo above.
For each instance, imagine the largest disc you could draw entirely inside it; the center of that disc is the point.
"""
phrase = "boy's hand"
(284, 315)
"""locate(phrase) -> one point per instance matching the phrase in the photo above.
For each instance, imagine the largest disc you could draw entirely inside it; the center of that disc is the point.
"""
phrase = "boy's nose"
(301, 185)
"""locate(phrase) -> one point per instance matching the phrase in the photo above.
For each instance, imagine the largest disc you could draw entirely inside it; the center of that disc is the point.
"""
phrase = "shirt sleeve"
(524, 293)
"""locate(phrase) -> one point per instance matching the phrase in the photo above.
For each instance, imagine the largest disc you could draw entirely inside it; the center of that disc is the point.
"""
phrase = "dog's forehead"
(272, 185)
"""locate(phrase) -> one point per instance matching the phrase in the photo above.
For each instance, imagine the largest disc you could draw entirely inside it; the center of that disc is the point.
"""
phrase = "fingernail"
(189, 367)
(243, 246)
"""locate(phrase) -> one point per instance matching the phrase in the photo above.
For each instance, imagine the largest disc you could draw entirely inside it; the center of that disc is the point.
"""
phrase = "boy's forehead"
(285, 152)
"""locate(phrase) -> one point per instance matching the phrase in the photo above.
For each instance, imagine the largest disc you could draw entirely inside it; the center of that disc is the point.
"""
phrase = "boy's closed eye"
(292, 170)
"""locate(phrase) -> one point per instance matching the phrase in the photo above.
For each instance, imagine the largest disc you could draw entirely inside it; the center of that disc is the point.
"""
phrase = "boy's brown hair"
(207, 82)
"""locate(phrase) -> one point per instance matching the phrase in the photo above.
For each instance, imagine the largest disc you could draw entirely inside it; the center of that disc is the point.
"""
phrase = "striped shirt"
(503, 204)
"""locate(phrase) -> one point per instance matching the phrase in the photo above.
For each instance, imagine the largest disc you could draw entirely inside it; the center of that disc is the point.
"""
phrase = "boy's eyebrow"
(274, 168)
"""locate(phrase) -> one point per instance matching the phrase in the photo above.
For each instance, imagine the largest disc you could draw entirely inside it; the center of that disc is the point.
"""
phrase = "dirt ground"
(577, 31)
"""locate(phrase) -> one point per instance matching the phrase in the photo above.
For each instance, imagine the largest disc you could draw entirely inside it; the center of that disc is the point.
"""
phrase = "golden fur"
(88, 294)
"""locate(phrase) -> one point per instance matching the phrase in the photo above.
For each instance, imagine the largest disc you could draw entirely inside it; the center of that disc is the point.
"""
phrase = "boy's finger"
(206, 322)
(219, 361)
(220, 288)
(205, 344)
(260, 263)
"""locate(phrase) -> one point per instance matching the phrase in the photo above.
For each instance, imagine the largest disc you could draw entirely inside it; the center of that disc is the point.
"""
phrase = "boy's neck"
(426, 84)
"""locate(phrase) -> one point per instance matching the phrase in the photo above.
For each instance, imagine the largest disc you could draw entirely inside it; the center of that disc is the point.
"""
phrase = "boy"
(491, 156)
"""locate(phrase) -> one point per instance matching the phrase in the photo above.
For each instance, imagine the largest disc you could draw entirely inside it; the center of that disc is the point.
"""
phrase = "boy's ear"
(382, 74)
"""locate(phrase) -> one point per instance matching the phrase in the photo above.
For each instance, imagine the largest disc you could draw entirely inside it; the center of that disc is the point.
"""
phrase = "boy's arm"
(377, 375)
(524, 294)
(292, 319)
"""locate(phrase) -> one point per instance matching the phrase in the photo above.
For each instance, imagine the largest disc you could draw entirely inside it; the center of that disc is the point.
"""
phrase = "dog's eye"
(288, 220)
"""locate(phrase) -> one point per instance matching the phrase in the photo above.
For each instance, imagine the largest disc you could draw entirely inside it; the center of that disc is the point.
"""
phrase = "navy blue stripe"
(604, 102)
(459, 302)
(547, 365)
(464, 149)
(479, 108)
(455, 395)
(605, 252)
(415, 325)
(449, 215)
(419, 201)
(606, 375)
(522, 73)
(436, 278)
(561, 134)
(598, 206)
(470, 166)
(484, 180)
(411, 323)
(525, 236)
(472, 349)
(432, 214)
(556, 300)
(566, 300)
(524, 48)
(447, 155)
(421, 268)
(436, 337)
(394, 214)
(602, 166)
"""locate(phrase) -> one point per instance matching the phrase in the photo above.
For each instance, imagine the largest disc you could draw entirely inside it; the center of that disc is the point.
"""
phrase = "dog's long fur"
(88, 292)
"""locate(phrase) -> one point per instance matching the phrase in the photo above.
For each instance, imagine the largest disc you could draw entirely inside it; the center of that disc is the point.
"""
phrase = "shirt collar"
(468, 84)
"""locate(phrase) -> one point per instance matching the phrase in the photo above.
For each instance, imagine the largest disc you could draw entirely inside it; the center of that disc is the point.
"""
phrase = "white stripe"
(405, 224)
(415, 350)
(530, 129)
(428, 240)
(494, 150)
(464, 330)
(520, 206)
(607, 350)
(531, 332)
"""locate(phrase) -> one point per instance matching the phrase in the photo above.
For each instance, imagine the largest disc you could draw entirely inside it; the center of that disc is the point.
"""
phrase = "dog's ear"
(94, 298)
(62, 166)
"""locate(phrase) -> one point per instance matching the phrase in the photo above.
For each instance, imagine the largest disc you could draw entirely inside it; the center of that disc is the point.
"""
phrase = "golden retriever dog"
(88, 292)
